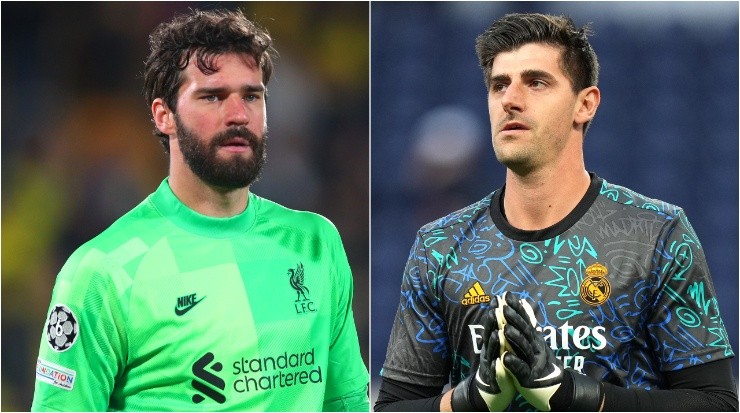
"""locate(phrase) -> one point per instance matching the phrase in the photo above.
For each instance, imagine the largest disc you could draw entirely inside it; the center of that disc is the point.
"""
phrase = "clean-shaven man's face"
(531, 105)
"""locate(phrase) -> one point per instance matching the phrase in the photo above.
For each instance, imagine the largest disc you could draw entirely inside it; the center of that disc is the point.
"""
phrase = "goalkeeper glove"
(490, 389)
(537, 373)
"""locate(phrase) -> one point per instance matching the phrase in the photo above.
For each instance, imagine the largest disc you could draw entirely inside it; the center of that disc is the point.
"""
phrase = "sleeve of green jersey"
(82, 347)
(347, 377)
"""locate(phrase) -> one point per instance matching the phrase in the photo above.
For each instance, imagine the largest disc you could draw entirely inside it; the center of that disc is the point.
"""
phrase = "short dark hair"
(203, 35)
(578, 59)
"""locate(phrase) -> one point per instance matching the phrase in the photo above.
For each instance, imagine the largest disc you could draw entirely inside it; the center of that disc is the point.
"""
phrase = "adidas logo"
(476, 295)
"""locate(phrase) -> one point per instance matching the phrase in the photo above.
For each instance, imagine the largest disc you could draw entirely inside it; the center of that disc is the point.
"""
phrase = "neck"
(207, 199)
(544, 197)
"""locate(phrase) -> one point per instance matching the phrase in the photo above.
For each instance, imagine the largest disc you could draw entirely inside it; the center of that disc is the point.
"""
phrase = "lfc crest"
(303, 303)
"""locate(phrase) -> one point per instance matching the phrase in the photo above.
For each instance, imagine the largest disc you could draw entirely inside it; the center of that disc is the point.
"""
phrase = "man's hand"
(494, 385)
(491, 389)
(537, 373)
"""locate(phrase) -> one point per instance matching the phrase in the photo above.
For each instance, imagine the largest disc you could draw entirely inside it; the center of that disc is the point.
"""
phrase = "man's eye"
(499, 87)
(251, 98)
(210, 98)
(538, 84)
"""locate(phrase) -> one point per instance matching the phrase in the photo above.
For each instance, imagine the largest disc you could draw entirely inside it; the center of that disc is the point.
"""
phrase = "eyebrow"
(222, 90)
(535, 73)
(526, 74)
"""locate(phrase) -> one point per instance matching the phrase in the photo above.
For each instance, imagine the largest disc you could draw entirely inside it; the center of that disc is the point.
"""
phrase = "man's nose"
(236, 111)
(513, 99)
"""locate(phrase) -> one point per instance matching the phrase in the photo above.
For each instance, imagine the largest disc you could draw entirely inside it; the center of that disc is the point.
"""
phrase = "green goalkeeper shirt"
(169, 309)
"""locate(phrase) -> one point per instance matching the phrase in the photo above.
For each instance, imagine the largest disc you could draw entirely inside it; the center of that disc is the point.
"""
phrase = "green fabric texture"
(178, 311)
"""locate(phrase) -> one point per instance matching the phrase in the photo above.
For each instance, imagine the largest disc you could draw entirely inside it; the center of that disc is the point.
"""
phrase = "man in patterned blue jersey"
(559, 291)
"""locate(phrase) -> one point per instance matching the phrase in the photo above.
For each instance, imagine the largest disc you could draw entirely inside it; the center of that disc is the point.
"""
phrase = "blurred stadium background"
(77, 148)
(667, 126)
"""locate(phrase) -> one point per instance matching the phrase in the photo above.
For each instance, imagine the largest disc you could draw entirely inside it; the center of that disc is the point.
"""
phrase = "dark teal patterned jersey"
(620, 288)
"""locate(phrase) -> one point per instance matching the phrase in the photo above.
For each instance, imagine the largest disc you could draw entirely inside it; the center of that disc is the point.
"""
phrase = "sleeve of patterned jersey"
(685, 323)
(347, 377)
(83, 342)
(418, 348)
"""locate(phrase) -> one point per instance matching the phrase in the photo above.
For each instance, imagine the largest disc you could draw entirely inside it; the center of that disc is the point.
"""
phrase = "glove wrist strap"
(587, 394)
(463, 399)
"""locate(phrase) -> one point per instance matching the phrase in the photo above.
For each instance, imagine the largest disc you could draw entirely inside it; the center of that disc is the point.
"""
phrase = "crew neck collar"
(499, 218)
(190, 220)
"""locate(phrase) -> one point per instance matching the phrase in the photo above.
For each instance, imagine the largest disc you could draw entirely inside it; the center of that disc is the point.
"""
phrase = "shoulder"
(467, 216)
(117, 244)
(624, 196)
(274, 214)
(137, 224)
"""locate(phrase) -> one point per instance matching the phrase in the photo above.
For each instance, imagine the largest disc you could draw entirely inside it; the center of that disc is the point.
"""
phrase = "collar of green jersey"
(181, 215)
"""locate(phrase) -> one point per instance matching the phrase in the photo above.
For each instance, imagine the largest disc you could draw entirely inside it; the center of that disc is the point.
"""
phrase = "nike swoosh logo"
(555, 373)
(181, 311)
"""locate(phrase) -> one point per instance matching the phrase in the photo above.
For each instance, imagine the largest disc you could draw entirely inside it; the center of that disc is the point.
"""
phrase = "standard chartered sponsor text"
(270, 372)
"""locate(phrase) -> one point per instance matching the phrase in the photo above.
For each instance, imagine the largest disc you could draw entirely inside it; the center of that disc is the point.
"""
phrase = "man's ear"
(163, 117)
(586, 104)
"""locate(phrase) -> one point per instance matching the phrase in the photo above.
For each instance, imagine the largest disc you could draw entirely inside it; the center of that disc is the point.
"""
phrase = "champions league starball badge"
(62, 328)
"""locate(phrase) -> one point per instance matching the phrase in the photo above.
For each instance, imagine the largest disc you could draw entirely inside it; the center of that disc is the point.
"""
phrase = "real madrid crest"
(595, 288)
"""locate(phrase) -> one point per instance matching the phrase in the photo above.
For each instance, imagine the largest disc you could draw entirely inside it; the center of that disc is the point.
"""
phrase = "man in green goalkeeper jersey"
(205, 296)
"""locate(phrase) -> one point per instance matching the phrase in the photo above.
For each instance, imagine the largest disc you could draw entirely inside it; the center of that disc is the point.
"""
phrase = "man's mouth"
(236, 144)
(514, 126)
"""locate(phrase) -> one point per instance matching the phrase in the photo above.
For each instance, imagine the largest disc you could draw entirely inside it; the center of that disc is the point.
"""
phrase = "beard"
(232, 173)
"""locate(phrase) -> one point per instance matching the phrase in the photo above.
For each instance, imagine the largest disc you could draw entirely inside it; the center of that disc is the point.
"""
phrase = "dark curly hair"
(203, 35)
(578, 59)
